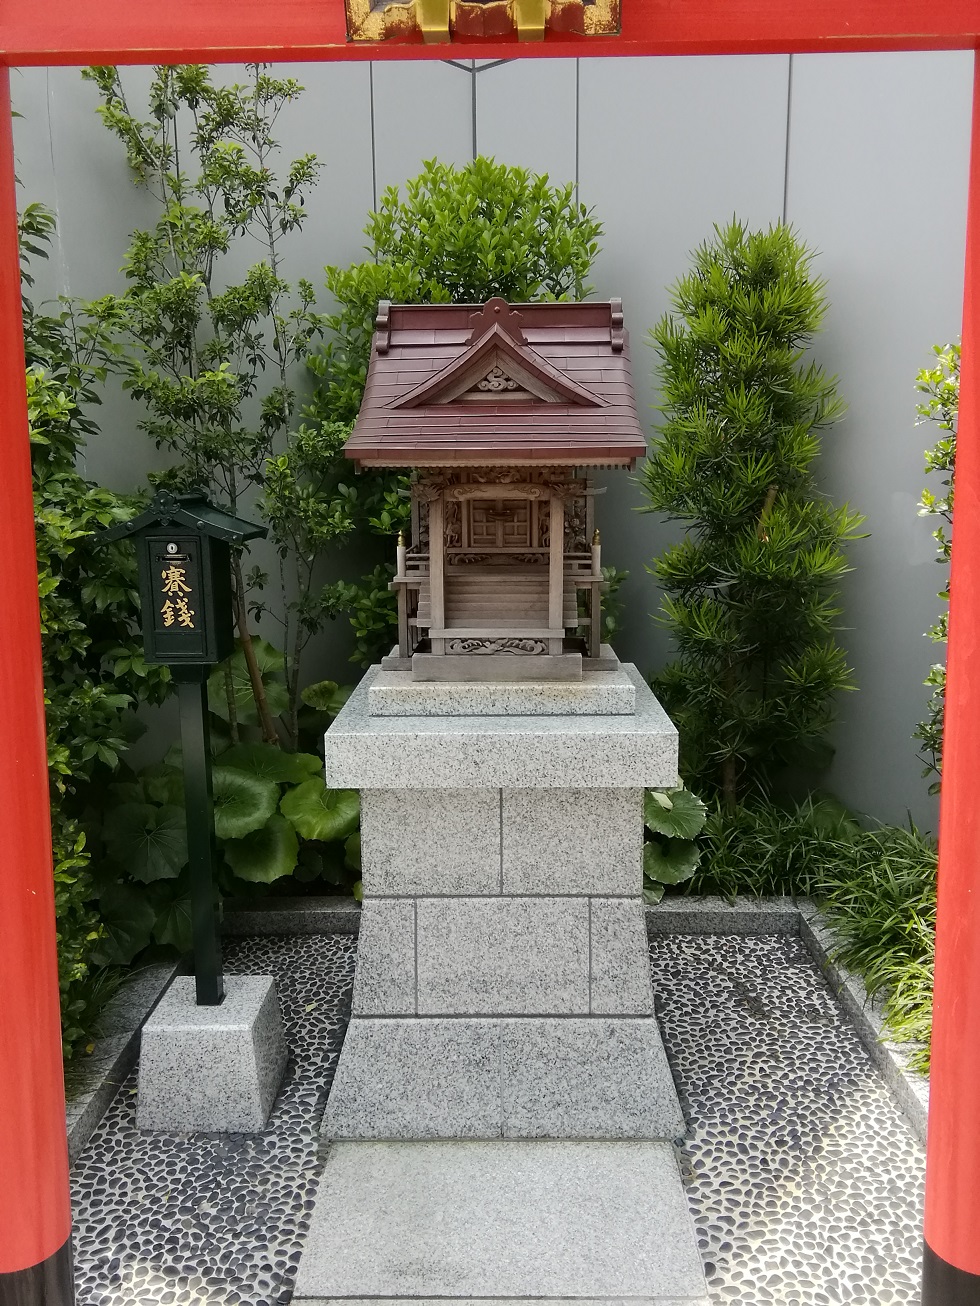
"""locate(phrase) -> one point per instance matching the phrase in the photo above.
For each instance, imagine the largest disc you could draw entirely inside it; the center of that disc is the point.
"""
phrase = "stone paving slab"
(510, 1220)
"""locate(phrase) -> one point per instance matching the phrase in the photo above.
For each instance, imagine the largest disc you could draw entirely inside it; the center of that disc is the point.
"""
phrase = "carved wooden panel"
(475, 20)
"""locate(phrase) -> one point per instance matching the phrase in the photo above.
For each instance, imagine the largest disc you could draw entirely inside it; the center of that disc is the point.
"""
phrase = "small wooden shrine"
(502, 412)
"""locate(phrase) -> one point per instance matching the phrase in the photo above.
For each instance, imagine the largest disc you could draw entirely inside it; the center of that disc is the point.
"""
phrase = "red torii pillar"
(951, 1268)
(35, 1215)
(35, 1220)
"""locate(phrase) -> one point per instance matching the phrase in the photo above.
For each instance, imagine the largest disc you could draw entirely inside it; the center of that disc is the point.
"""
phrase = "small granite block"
(598, 693)
(591, 1078)
(480, 668)
(445, 842)
(573, 841)
(212, 1068)
(516, 1221)
(621, 984)
(384, 981)
(501, 752)
(416, 1079)
(503, 956)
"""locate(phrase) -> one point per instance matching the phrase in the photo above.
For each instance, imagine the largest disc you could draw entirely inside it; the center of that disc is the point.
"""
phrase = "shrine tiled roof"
(452, 384)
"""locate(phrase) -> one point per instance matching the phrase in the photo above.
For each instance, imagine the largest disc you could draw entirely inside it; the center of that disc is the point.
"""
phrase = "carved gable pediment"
(498, 366)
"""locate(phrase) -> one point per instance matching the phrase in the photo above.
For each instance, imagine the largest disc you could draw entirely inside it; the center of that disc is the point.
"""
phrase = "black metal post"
(195, 744)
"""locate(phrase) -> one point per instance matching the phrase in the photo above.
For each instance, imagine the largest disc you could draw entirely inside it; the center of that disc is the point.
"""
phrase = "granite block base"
(462, 667)
(504, 1222)
(599, 693)
(416, 753)
(482, 1078)
(212, 1068)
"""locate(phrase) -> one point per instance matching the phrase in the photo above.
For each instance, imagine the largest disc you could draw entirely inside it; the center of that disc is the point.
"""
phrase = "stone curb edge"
(116, 1051)
(101, 1074)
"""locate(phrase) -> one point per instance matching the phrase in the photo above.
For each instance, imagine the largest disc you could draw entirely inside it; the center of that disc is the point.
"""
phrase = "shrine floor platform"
(801, 1174)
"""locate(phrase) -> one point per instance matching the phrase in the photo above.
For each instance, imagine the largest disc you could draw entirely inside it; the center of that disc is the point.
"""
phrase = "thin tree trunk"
(766, 510)
(269, 732)
(232, 707)
(728, 784)
(729, 773)
(293, 686)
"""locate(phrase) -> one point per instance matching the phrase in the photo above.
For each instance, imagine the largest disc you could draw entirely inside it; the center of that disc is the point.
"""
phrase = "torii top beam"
(49, 32)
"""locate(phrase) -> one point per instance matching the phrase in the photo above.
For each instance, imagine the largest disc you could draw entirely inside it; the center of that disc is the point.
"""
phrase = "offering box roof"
(569, 399)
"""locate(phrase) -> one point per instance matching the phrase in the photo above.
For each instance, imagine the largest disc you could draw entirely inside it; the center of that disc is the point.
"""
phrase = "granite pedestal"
(211, 1068)
(502, 998)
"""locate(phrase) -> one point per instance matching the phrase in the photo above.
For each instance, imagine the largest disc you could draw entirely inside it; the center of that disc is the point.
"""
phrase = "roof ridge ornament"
(496, 312)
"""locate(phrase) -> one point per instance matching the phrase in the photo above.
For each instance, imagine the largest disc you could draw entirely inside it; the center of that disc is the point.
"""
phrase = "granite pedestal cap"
(216, 1069)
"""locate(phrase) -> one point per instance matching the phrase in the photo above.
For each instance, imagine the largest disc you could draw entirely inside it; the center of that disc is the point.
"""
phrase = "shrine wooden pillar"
(951, 1268)
(556, 571)
(437, 570)
(35, 1215)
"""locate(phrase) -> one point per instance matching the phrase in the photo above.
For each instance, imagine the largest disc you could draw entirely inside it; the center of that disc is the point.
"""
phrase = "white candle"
(400, 552)
(596, 555)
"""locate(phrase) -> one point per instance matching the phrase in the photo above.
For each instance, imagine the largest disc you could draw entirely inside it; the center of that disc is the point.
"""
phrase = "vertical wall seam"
(789, 115)
(589, 900)
(500, 1065)
(578, 70)
(415, 932)
(500, 844)
(473, 72)
(374, 143)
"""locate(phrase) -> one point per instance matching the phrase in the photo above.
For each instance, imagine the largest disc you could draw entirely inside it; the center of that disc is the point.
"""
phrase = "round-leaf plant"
(242, 802)
(267, 854)
(150, 842)
(319, 813)
(670, 855)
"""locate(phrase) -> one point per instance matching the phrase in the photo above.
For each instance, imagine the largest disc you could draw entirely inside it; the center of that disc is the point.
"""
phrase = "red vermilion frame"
(34, 1213)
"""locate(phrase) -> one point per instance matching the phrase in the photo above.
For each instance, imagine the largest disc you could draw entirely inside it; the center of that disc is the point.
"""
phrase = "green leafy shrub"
(765, 847)
(93, 664)
(941, 384)
(457, 235)
(881, 903)
(208, 350)
(750, 592)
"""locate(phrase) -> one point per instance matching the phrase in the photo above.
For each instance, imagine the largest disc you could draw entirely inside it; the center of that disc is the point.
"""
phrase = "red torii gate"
(35, 1219)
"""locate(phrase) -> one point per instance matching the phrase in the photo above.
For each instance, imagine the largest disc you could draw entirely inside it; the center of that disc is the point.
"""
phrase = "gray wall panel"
(877, 183)
(525, 114)
(421, 111)
(666, 148)
(332, 119)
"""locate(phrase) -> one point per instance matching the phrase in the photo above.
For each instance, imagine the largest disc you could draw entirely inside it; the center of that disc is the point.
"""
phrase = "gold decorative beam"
(459, 21)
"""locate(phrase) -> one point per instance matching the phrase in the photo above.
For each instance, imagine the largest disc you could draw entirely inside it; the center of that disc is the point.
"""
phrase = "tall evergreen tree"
(751, 591)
